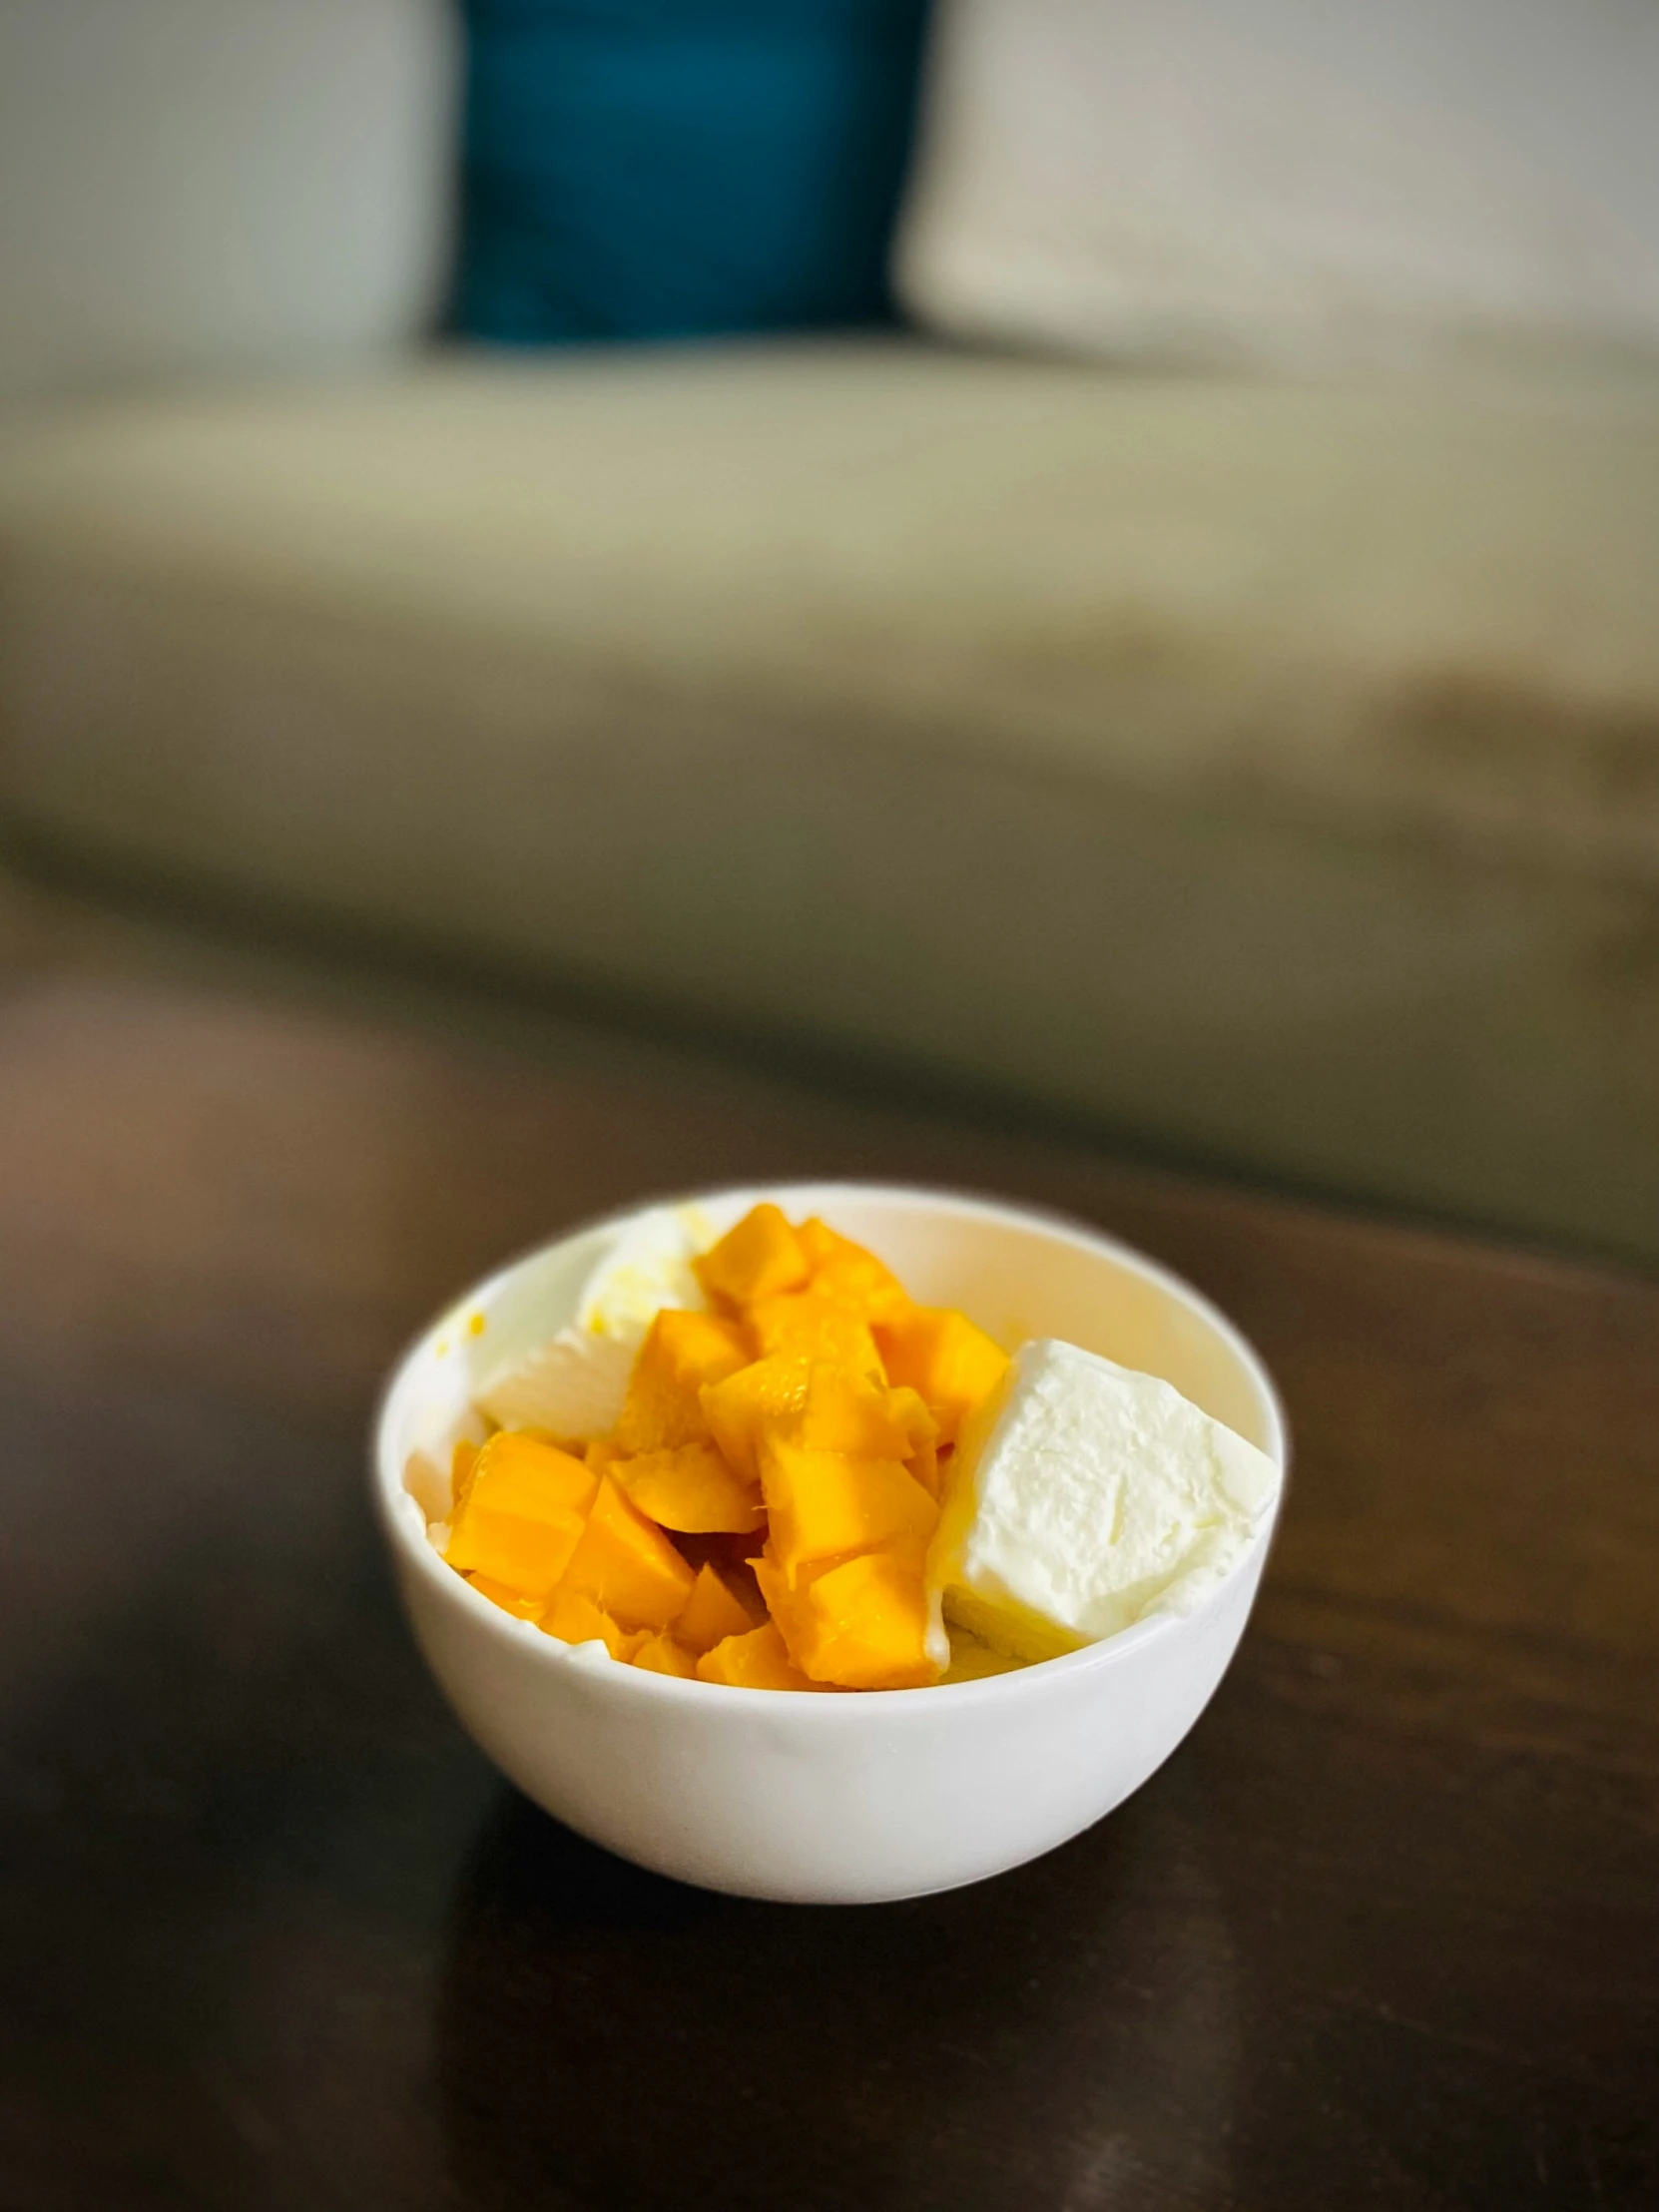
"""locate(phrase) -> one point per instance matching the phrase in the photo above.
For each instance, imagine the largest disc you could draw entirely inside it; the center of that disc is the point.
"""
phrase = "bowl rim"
(1035, 1679)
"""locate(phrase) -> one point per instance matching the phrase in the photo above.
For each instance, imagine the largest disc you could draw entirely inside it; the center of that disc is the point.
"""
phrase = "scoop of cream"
(1084, 1496)
(649, 1266)
(573, 1386)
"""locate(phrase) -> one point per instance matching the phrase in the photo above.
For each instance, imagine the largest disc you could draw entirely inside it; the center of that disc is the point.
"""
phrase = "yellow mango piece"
(920, 1452)
(523, 1514)
(923, 1464)
(681, 1353)
(820, 1503)
(861, 1625)
(758, 1660)
(810, 1326)
(713, 1612)
(576, 1445)
(739, 1576)
(847, 1271)
(626, 1565)
(690, 1489)
(462, 1460)
(972, 1661)
(575, 1619)
(940, 1355)
(909, 1410)
(847, 1412)
(662, 1654)
(737, 1409)
(526, 1608)
(759, 1258)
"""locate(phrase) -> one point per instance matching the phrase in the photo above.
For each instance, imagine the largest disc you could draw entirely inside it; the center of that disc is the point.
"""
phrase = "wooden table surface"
(1384, 1932)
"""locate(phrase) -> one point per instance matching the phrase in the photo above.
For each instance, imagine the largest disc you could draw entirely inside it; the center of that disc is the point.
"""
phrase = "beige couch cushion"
(1270, 770)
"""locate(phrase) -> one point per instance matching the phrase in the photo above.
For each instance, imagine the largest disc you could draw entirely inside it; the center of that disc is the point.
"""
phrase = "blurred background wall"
(195, 187)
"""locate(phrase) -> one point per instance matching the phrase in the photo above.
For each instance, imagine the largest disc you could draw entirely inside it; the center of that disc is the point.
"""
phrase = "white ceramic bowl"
(780, 1794)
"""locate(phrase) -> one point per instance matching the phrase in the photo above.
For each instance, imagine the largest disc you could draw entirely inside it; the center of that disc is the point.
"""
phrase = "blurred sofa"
(1264, 769)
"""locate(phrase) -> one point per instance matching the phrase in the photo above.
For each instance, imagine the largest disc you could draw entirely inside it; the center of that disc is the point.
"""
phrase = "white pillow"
(218, 186)
(1291, 181)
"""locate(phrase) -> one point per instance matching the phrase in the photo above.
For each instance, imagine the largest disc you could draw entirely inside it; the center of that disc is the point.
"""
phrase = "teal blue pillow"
(670, 168)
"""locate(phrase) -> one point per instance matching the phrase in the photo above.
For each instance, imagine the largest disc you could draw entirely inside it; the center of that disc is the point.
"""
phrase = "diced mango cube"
(681, 1353)
(758, 1660)
(921, 1436)
(845, 1411)
(664, 1654)
(510, 1601)
(737, 1409)
(861, 1625)
(575, 1619)
(845, 1269)
(923, 1464)
(692, 1489)
(825, 1407)
(759, 1258)
(909, 1410)
(821, 1503)
(523, 1513)
(713, 1612)
(626, 1565)
(940, 1355)
(814, 1326)
(462, 1460)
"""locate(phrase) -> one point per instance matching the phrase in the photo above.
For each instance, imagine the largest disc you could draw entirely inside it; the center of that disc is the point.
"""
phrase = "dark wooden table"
(1385, 1931)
